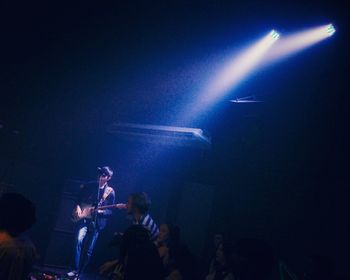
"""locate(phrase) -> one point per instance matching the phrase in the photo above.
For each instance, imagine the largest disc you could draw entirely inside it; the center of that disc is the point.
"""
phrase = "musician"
(92, 220)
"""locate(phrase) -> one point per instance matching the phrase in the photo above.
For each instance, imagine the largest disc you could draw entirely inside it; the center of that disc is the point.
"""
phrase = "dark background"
(278, 169)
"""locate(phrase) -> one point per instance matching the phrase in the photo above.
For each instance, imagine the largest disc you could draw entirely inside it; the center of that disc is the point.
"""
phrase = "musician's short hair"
(141, 201)
(105, 170)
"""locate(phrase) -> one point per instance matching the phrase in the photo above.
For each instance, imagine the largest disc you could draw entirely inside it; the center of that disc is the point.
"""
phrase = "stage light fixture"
(274, 34)
(330, 29)
(296, 42)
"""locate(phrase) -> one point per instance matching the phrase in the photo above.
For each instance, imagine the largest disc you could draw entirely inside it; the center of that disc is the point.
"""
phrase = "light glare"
(299, 41)
(231, 74)
(274, 34)
(330, 29)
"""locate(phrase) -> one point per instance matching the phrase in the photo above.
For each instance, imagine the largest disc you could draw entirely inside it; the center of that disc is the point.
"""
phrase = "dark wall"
(42, 185)
(279, 168)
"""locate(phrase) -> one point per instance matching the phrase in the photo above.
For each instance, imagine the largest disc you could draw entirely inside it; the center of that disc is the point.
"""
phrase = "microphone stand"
(97, 205)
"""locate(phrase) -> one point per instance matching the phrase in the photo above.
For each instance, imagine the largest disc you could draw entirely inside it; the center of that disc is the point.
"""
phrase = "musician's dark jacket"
(88, 196)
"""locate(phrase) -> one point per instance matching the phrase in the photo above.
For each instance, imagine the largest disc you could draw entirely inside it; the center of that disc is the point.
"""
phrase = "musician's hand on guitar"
(78, 211)
(87, 212)
(76, 215)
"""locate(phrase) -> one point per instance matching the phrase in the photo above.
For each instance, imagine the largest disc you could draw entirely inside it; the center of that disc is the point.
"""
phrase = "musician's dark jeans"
(86, 240)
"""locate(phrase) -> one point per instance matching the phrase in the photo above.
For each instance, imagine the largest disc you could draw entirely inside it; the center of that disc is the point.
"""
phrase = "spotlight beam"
(230, 76)
(239, 68)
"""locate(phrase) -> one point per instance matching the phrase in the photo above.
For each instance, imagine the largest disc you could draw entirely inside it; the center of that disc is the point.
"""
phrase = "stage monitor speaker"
(61, 245)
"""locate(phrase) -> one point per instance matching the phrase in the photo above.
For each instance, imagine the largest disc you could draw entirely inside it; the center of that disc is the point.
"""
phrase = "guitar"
(87, 211)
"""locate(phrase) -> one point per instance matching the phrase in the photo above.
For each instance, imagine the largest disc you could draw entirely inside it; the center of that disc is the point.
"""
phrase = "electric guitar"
(86, 211)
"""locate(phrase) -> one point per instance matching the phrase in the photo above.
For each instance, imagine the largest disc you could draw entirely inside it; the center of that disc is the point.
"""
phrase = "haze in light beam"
(230, 75)
(299, 41)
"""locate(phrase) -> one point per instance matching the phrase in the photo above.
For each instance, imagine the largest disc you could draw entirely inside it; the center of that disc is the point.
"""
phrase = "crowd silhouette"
(166, 258)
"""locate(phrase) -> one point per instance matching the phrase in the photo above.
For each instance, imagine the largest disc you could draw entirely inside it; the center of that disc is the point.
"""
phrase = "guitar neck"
(110, 206)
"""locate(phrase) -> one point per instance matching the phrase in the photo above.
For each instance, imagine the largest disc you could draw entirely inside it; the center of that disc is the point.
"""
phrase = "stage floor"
(59, 273)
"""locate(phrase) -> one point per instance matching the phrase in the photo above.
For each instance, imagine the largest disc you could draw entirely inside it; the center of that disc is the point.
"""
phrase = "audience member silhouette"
(17, 253)
(168, 240)
(182, 261)
(222, 267)
(139, 257)
(169, 236)
(212, 262)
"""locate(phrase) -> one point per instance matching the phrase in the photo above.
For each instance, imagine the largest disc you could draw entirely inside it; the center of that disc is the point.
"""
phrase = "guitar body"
(82, 212)
(86, 210)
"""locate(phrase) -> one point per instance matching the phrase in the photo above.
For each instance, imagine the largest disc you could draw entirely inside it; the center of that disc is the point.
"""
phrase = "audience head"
(181, 260)
(17, 213)
(138, 203)
(134, 236)
(218, 239)
(224, 254)
(105, 173)
(140, 255)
